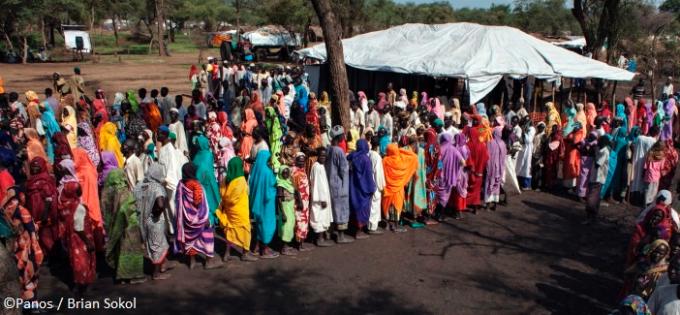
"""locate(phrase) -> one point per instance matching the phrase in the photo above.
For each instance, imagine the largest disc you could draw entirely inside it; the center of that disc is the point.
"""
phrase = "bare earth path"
(531, 257)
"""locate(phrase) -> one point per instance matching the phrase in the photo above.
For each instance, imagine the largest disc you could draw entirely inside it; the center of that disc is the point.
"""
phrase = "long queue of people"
(254, 160)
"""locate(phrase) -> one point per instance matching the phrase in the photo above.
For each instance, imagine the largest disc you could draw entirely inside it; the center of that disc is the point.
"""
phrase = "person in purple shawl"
(667, 125)
(361, 186)
(452, 177)
(587, 148)
(194, 234)
(495, 170)
(109, 163)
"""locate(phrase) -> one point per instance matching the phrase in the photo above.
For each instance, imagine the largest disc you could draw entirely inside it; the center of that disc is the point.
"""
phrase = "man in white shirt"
(134, 172)
(172, 162)
(177, 127)
(387, 122)
(372, 116)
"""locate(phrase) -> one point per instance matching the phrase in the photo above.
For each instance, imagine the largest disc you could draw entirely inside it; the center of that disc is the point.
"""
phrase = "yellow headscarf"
(70, 122)
(109, 142)
(552, 119)
(325, 100)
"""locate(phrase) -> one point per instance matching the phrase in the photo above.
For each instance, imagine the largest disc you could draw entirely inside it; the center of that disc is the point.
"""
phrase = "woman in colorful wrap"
(399, 166)
(76, 228)
(233, 214)
(194, 234)
(262, 199)
(124, 248)
(285, 206)
(27, 252)
(361, 187)
(205, 173)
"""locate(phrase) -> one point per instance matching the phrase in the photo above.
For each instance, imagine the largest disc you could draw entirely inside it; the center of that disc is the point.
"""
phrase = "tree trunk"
(52, 39)
(9, 41)
(160, 20)
(115, 29)
(42, 34)
(24, 57)
(336, 62)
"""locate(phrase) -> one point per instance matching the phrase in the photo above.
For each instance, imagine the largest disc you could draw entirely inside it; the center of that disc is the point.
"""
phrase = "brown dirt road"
(531, 257)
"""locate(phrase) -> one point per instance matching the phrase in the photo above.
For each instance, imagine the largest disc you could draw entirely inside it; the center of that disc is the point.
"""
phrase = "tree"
(336, 61)
(598, 22)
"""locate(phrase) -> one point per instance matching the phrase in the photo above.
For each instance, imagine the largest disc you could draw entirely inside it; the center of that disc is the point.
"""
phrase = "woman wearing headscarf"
(33, 110)
(109, 163)
(641, 116)
(262, 198)
(552, 118)
(109, 142)
(70, 123)
(151, 201)
(642, 277)
(256, 103)
(152, 116)
(325, 100)
(87, 141)
(437, 108)
(27, 252)
(99, 104)
(41, 201)
(669, 165)
(285, 208)
(247, 128)
(618, 162)
(87, 177)
(51, 127)
(34, 147)
(124, 246)
(432, 167)
(669, 111)
(587, 150)
(382, 102)
(275, 133)
(213, 131)
(416, 192)
(495, 169)
(62, 150)
(76, 228)
(452, 181)
(591, 114)
(477, 162)
(233, 213)
(363, 101)
(205, 174)
(399, 166)
(362, 186)
(573, 133)
(554, 152)
(194, 233)
(312, 116)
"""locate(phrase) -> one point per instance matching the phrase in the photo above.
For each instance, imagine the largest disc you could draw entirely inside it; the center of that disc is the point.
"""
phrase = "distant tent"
(481, 54)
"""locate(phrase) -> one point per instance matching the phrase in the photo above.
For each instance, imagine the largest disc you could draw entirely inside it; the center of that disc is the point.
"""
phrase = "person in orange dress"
(399, 166)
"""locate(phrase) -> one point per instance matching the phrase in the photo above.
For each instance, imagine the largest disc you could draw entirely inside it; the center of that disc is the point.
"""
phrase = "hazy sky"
(465, 3)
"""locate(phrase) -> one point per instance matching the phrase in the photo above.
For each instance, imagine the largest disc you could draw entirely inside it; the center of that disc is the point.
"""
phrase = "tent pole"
(616, 83)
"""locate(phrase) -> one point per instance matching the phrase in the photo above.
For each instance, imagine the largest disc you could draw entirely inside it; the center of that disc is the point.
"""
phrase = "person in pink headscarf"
(382, 101)
(402, 96)
(436, 107)
(424, 100)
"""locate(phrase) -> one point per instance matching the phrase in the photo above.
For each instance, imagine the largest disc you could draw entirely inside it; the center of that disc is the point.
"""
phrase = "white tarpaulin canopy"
(482, 54)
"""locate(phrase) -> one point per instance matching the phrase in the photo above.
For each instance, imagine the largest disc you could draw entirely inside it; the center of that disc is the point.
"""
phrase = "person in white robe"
(177, 128)
(641, 147)
(134, 171)
(379, 178)
(523, 167)
(321, 214)
(172, 162)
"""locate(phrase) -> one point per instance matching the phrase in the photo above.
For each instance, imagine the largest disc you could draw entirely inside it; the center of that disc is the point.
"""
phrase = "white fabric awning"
(482, 54)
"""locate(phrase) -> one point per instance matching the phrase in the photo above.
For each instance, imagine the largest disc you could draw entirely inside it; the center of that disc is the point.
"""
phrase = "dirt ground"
(110, 74)
(531, 257)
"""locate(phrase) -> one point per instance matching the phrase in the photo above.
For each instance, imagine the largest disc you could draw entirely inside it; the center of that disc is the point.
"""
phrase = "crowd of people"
(253, 159)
